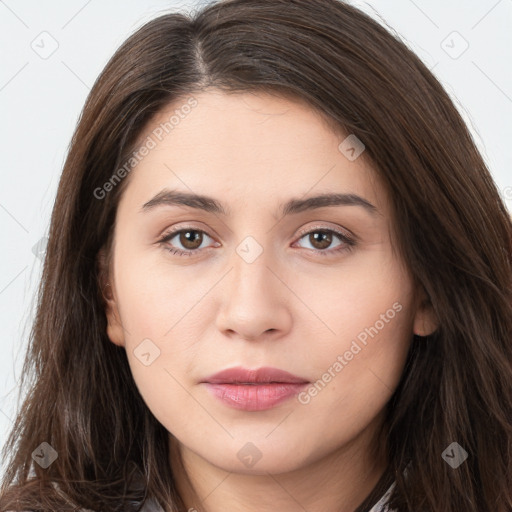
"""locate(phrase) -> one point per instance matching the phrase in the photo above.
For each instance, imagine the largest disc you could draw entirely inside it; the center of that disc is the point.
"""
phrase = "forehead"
(247, 146)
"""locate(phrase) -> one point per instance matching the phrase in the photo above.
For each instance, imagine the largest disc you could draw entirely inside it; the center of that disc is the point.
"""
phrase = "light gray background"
(42, 95)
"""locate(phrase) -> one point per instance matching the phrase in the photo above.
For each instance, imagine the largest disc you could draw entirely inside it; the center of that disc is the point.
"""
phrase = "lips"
(264, 375)
(254, 390)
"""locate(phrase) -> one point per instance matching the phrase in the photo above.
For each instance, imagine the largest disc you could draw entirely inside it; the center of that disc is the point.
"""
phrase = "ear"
(425, 319)
(106, 284)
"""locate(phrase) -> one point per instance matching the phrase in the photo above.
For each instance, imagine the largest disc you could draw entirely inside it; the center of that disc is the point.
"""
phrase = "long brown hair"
(452, 230)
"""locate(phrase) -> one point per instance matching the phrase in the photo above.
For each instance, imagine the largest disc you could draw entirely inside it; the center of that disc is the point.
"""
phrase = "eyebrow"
(168, 197)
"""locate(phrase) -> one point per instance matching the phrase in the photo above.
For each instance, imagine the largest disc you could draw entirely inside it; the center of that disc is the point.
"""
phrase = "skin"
(292, 308)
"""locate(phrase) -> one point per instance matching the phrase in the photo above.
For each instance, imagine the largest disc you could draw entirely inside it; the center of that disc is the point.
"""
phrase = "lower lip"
(258, 397)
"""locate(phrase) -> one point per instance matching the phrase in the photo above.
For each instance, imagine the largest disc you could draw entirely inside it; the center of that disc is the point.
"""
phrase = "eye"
(321, 238)
(190, 239)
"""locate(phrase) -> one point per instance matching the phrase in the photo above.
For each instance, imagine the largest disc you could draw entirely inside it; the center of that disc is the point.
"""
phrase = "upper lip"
(240, 375)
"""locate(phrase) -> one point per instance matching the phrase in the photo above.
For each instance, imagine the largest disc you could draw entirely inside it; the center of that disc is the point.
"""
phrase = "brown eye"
(186, 241)
(320, 239)
(191, 239)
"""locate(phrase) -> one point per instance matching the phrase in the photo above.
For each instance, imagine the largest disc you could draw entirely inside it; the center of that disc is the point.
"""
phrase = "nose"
(255, 302)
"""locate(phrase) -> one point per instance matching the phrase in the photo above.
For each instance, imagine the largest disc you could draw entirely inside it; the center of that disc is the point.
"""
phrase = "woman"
(278, 276)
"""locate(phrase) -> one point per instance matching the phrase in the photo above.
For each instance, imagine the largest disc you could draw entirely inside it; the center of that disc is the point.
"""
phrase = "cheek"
(361, 343)
(157, 297)
(155, 309)
(160, 306)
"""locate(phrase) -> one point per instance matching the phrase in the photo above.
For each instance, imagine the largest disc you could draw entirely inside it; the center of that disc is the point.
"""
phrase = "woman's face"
(314, 288)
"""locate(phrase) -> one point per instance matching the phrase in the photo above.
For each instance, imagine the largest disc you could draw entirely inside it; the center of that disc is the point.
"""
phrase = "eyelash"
(348, 243)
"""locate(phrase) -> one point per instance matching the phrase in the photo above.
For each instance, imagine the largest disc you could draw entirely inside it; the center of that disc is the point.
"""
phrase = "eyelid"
(184, 226)
(343, 232)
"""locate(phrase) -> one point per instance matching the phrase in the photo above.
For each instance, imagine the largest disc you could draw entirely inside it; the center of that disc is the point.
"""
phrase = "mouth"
(254, 390)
